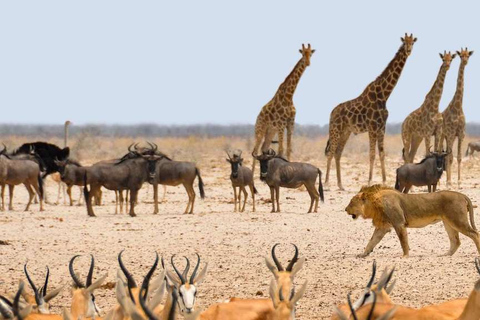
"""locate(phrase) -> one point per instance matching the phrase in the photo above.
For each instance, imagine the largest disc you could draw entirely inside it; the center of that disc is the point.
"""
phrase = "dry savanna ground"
(234, 244)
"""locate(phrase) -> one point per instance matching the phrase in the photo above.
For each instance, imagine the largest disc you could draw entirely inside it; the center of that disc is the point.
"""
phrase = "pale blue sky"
(189, 62)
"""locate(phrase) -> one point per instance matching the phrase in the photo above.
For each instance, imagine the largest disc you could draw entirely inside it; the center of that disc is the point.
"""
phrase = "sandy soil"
(234, 244)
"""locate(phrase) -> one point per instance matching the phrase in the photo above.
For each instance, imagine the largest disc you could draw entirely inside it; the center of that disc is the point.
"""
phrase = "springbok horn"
(370, 314)
(130, 281)
(374, 270)
(187, 268)
(4, 149)
(90, 271)
(352, 310)
(77, 281)
(274, 257)
(294, 259)
(477, 264)
(147, 278)
(44, 291)
(148, 312)
(6, 314)
(182, 279)
(194, 274)
(16, 300)
(34, 288)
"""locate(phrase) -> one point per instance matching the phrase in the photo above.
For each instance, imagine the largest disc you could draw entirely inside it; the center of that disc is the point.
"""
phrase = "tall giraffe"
(423, 122)
(279, 113)
(454, 119)
(366, 113)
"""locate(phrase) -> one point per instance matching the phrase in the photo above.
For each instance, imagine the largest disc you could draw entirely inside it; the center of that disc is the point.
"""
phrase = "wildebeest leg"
(245, 195)
(235, 198)
(192, 192)
(127, 195)
(252, 191)
(69, 192)
(133, 200)
(277, 195)
(239, 199)
(88, 199)
(377, 236)
(454, 238)
(31, 194)
(37, 190)
(272, 197)
(3, 197)
(407, 188)
(403, 237)
(121, 200)
(10, 193)
(429, 188)
(434, 187)
(81, 197)
(155, 198)
(312, 197)
(116, 201)
(189, 198)
(164, 194)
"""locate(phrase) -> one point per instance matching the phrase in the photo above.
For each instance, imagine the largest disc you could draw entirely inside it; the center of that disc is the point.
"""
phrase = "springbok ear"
(299, 294)
(298, 265)
(173, 278)
(120, 290)
(97, 283)
(53, 294)
(157, 296)
(201, 276)
(339, 313)
(389, 288)
(388, 314)
(273, 292)
(271, 267)
(66, 315)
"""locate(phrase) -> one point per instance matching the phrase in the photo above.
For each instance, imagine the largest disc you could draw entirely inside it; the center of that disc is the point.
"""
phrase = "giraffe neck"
(287, 88)
(458, 97)
(435, 93)
(387, 80)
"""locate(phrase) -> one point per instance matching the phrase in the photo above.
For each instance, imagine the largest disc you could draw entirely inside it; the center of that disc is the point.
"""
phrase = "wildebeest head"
(235, 162)
(264, 158)
(441, 164)
(151, 165)
(61, 167)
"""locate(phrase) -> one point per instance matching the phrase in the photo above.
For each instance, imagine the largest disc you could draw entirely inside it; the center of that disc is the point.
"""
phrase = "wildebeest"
(126, 174)
(278, 172)
(472, 147)
(426, 173)
(20, 171)
(173, 173)
(241, 177)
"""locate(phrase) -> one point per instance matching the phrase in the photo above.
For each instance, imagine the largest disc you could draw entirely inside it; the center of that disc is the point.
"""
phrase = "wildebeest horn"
(147, 278)
(374, 271)
(194, 274)
(156, 147)
(4, 149)
(294, 259)
(130, 281)
(180, 276)
(77, 281)
(136, 146)
(275, 260)
(90, 271)
(130, 147)
(272, 152)
(34, 288)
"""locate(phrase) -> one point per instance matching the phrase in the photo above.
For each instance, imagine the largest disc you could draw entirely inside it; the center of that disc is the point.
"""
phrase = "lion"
(390, 208)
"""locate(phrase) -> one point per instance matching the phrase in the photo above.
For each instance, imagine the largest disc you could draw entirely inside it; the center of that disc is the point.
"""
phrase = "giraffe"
(366, 113)
(279, 113)
(454, 119)
(423, 122)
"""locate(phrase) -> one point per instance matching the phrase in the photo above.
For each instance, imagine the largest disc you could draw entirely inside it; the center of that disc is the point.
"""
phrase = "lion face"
(356, 206)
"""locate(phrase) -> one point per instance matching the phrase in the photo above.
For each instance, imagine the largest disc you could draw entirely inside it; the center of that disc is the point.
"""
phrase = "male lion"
(389, 208)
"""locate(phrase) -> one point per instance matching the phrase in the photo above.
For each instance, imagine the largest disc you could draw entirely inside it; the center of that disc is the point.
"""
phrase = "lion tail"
(470, 211)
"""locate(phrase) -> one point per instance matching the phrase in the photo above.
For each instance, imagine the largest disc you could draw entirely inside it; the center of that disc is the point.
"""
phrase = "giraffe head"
(307, 53)
(464, 54)
(408, 42)
(447, 58)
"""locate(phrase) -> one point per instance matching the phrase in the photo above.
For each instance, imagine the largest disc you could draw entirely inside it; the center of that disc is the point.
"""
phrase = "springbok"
(373, 311)
(278, 172)
(241, 177)
(41, 298)
(83, 300)
(187, 287)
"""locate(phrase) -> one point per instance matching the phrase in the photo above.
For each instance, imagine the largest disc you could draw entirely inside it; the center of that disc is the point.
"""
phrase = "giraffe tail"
(327, 148)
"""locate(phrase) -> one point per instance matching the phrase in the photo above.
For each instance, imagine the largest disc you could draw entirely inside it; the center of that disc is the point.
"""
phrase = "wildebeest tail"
(200, 184)
(397, 183)
(468, 147)
(86, 193)
(470, 211)
(403, 154)
(40, 185)
(320, 185)
(327, 148)
(255, 190)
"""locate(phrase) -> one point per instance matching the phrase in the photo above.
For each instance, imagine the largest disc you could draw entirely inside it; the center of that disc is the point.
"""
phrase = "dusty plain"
(235, 244)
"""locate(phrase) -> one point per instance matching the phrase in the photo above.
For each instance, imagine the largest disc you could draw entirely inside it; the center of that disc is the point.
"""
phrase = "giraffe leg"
(289, 138)
(428, 145)
(459, 158)
(338, 156)
(373, 141)
(416, 141)
(258, 140)
(406, 138)
(449, 162)
(281, 137)
(330, 149)
(381, 153)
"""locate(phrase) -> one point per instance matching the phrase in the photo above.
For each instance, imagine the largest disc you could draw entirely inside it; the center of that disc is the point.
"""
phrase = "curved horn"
(136, 146)
(130, 281)
(77, 281)
(187, 268)
(182, 279)
(4, 311)
(147, 278)
(352, 310)
(273, 152)
(156, 147)
(374, 270)
(34, 288)
(294, 259)
(16, 300)
(370, 314)
(90, 271)
(228, 154)
(130, 147)
(4, 149)
(194, 274)
(45, 285)
(274, 257)
(253, 155)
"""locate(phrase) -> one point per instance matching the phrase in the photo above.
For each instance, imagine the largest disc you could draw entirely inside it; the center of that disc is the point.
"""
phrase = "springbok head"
(41, 296)
(285, 305)
(187, 287)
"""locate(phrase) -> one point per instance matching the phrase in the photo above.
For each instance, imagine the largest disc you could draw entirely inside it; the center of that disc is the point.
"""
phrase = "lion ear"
(363, 196)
